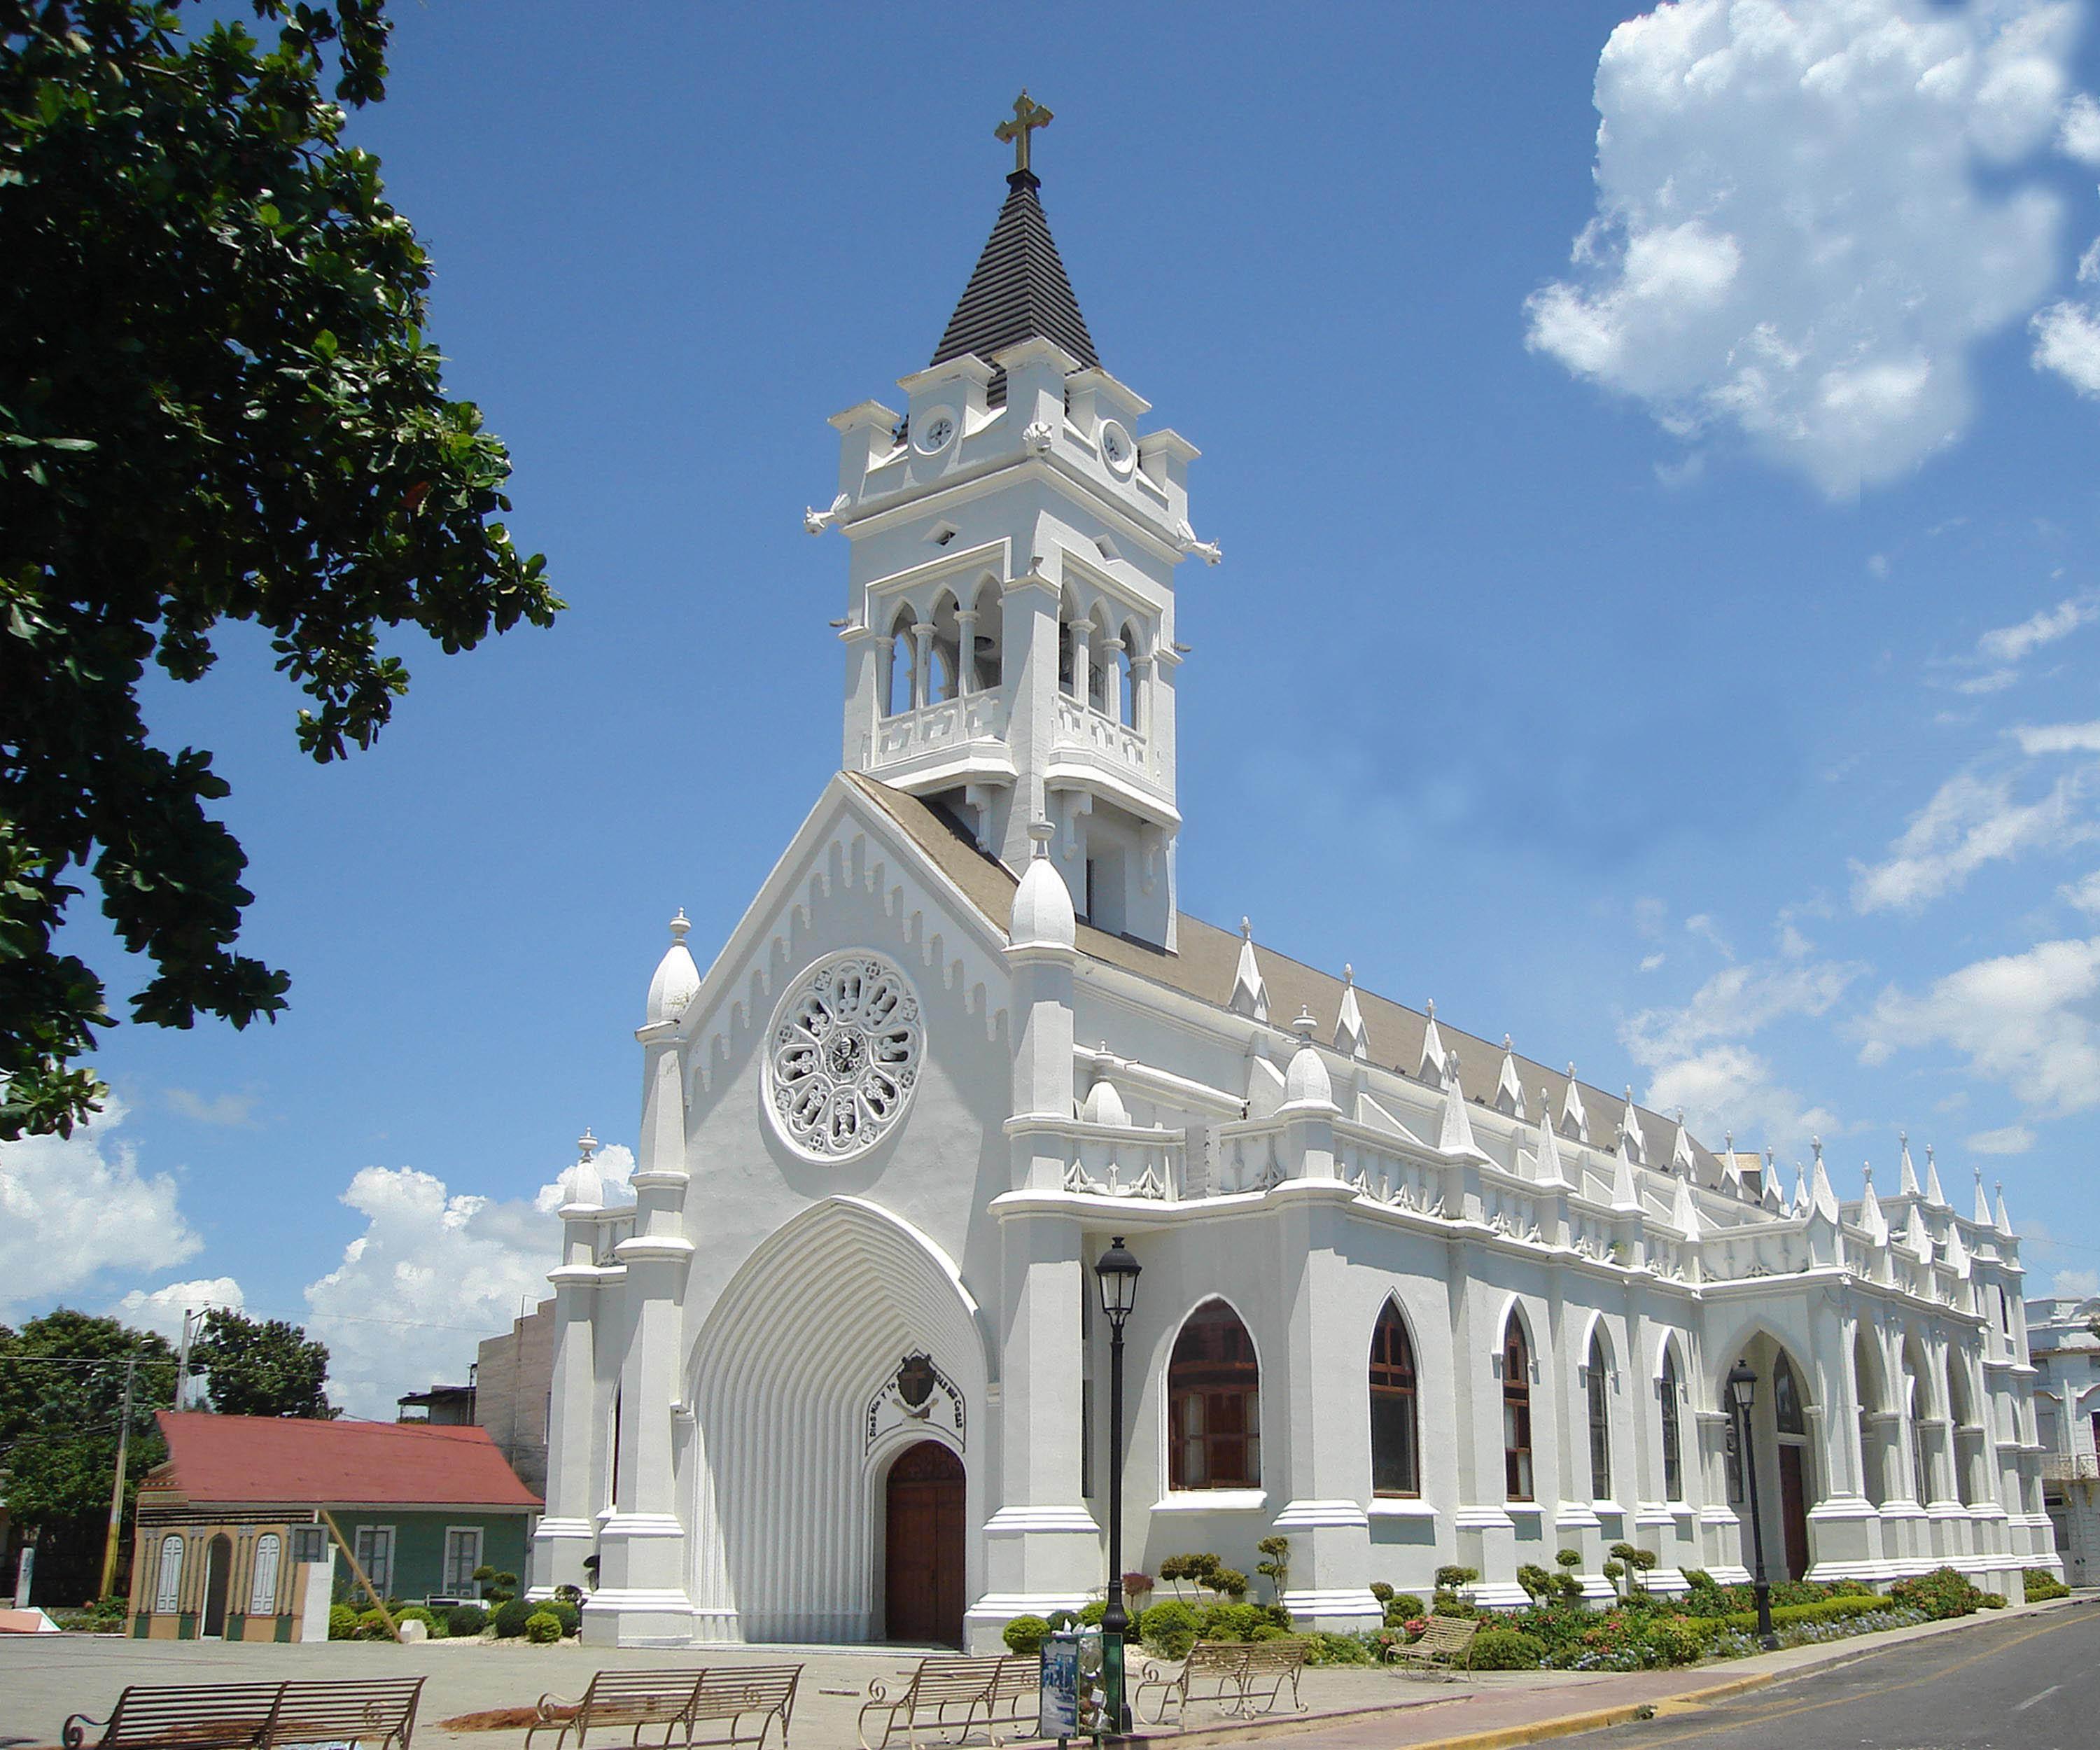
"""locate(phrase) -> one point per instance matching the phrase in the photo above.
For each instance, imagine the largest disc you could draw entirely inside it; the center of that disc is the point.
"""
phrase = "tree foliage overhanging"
(260, 1367)
(217, 402)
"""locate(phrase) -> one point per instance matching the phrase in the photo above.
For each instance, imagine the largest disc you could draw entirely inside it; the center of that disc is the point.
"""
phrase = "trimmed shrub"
(510, 1618)
(1451, 1578)
(2038, 1583)
(1536, 1583)
(543, 1627)
(1941, 1594)
(1322, 1648)
(1403, 1607)
(1169, 1629)
(1025, 1634)
(1448, 1603)
(1499, 1649)
(464, 1621)
(1091, 1614)
(372, 1626)
(1991, 1601)
(1569, 1558)
(1233, 1622)
(1230, 1581)
(342, 1623)
(1381, 1592)
(1788, 1615)
(570, 1616)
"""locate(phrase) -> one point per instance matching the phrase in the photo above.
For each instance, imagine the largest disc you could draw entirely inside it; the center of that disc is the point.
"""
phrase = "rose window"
(843, 1056)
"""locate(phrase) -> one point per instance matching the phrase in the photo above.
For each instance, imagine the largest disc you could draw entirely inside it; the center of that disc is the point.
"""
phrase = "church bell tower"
(1009, 630)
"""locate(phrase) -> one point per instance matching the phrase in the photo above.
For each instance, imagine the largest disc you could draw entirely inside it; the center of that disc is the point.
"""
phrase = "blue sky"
(1659, 617)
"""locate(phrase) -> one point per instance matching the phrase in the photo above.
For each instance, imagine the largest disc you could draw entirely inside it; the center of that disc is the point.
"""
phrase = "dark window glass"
(1516, 1412)
(1600, 1423)
(1786, 1398)
(1395, 1466)
(1214, 1403)
(1673, 1452)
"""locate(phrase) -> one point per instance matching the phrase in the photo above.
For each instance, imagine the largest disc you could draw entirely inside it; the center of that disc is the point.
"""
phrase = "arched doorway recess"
(218, 1573)
(923, 1545)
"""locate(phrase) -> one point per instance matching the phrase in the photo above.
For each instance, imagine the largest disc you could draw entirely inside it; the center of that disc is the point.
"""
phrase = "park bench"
(733, 1693)
(637, 1700)
(1270, 1664)
(955, 1695)
(1212, 1671)
(376, 1713)
(1446, 1645)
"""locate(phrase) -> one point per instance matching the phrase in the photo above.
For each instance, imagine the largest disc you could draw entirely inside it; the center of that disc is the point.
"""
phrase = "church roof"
(1018, 292)
(1207, 957)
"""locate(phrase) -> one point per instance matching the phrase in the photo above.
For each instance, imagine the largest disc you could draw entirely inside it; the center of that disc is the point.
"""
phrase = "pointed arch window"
(1127, 662)
(1395, 1454)
(1786, 1398)
(168, 1587)
(1214, 1403)
(1598, 1390)
(1516, 1412)
(1673, 1444)
(901, 665)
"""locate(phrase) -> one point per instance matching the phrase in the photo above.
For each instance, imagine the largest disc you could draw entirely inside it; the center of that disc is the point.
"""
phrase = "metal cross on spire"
(1028, 115)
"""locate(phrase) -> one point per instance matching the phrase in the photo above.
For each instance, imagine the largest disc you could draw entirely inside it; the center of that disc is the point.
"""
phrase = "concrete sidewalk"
(43, 1678)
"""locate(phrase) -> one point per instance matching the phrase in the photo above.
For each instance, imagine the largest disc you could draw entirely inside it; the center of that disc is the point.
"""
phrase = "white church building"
(839, 1373)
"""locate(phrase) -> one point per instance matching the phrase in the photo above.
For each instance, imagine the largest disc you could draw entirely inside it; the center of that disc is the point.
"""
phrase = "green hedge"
(2039, 1583)
(1827, 1609)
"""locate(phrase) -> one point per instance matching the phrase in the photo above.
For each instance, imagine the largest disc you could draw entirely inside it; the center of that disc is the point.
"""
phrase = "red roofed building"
(233, 1540)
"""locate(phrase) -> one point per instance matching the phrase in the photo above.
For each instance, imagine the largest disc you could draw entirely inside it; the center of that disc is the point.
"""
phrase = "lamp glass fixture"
(1742, 1385)
(1117, 1271)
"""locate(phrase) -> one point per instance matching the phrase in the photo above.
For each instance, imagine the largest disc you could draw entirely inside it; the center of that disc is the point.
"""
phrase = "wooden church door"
(923, 1538)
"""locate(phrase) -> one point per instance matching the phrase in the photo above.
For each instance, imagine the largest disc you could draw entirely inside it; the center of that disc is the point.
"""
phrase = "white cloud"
(2075, 1284)
(2030, 1021)
(2015, 644)
(432, 1274)
(1971, 820)
(1996, 681)
(2014, 1139)
(2085, 894)
(2078, 130)
(1735, 1003)
(2059, 738)
(1731, 1088)
(162, 1309)
(1650, 963)
(1697, 1059)
(75, 1209)
(1790, 237)
(233, 1111)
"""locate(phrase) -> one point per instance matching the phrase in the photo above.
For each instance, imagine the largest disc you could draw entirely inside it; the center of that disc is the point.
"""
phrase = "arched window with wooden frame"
(1214, 1403)
(1516, 1411)
(1396, 1451)
(1597, 1391)
(1673, 1440)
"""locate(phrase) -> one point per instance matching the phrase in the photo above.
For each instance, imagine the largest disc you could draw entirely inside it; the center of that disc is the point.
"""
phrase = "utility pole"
(183, 1362)
(116, 1488)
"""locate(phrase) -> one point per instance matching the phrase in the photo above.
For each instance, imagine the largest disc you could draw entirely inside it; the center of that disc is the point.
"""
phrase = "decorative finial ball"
(1246, 930)
(1349, 973)
(680, 925)
(1429, 1008)
(1041, 832)
(587, 1145)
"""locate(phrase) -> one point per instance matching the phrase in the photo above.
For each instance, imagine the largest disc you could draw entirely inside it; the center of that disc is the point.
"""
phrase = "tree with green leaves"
(217, 402)
(262, 1367)
(61, 1399)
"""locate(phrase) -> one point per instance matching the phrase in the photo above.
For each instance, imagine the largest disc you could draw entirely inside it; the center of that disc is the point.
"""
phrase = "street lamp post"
(1117, 1272)
(1742, 1392)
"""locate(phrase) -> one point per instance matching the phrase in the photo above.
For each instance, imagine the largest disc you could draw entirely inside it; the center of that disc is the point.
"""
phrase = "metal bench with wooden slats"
(955, 1695)
(1268, 1666)
(196, 1715)
(252, 1715)
(638, 1700)
(1446, 1645)
(731, 1693)
(372, 1712)
(1211, 1671)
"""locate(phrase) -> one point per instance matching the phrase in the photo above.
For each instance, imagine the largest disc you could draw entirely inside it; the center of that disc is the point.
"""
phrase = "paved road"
(2019, 1685)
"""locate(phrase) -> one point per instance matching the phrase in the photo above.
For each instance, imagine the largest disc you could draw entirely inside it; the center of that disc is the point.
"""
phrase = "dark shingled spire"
(1018, 292)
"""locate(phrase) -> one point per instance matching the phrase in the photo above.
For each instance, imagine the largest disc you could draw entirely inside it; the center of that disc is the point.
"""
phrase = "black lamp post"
(1742, 1392)
(1117, 1272)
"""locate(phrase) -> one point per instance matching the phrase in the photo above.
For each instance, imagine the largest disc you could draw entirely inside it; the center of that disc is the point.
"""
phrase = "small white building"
(2066, 1393)
(1409, 1299)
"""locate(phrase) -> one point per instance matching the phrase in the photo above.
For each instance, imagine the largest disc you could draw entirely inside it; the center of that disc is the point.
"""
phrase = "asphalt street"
(2019, 1685)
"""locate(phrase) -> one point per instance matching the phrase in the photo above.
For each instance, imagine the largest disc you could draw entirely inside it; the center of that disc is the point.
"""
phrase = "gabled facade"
(1408, 1299)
